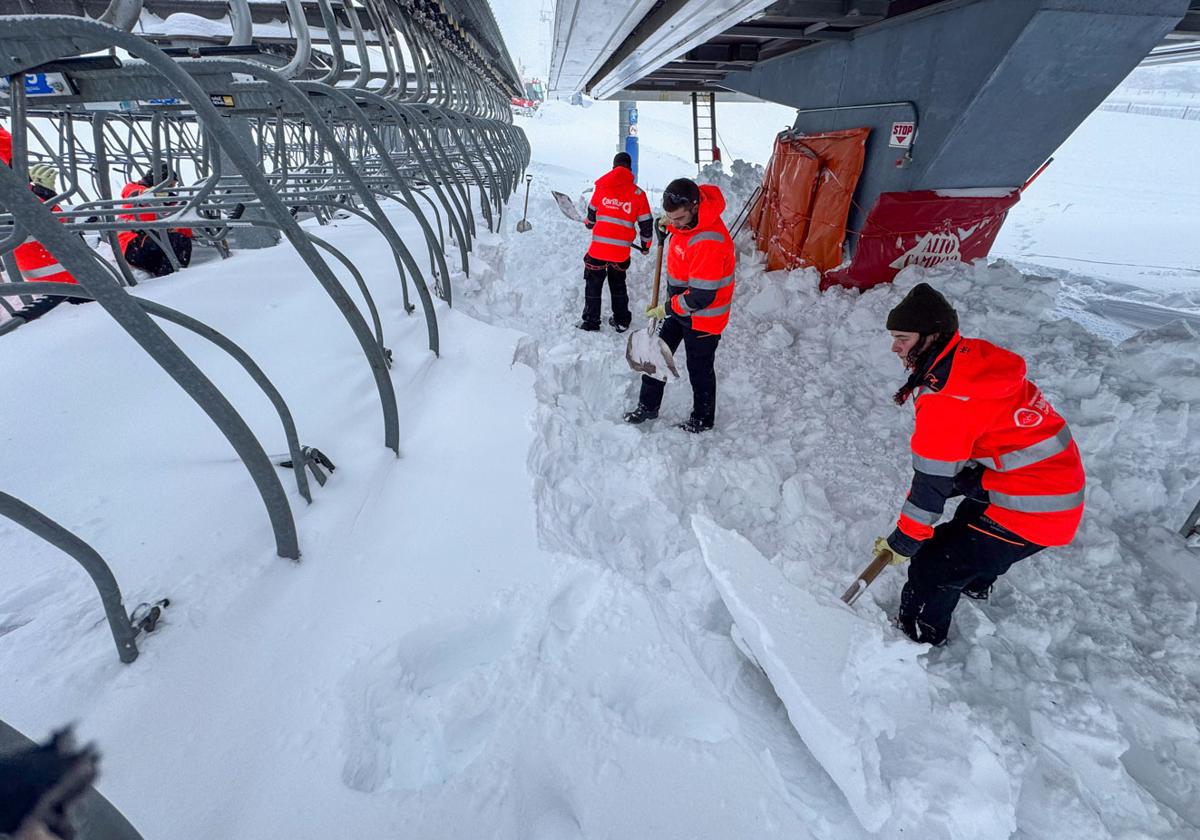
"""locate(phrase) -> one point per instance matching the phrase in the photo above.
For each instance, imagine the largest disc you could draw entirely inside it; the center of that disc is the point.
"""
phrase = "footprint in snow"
(423, 710)
(650, 705)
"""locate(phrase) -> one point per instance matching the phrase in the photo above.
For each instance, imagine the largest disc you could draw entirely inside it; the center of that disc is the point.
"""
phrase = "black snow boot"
(586, 327)
(919, 631)
(617, 325)
(640, 415)
(695, 425)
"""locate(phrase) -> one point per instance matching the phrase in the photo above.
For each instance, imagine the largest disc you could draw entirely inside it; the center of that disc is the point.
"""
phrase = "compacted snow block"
(863, 704)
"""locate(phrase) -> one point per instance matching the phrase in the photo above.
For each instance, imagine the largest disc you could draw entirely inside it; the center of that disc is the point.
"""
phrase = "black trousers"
(595, 273)
(701, 350)
(968, 552)
(144, 252)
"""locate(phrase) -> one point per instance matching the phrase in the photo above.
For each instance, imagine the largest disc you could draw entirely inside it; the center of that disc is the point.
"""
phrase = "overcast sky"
(527, 38)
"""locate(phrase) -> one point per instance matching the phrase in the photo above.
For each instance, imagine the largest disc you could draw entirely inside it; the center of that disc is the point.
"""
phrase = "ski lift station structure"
(984, 91)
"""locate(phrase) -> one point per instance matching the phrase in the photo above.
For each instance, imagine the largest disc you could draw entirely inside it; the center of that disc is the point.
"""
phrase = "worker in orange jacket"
(139, 247)
(618, 216)
(985, 432)
(700, 282)
(34, 261)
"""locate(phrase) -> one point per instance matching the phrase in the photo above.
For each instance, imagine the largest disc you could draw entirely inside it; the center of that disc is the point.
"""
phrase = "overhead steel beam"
(667, 33)
(788, 33)
(829, 10)
(586, 33)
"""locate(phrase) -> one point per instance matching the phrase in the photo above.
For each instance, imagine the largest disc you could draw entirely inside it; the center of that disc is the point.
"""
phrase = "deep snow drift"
(511, 631)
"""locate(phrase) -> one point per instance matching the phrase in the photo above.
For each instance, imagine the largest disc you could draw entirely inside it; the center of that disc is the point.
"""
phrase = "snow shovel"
(866, 576)
(646, 352)
(567, 206)
(524, 225)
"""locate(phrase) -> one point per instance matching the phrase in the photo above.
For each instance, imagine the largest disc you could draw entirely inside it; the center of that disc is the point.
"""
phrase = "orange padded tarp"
(800, 217)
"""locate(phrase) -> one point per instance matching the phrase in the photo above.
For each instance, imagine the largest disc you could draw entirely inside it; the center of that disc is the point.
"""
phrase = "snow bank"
(1040, 700)
(863, 704)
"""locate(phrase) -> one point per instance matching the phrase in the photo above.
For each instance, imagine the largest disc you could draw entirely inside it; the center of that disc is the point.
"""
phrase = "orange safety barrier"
(800, 217)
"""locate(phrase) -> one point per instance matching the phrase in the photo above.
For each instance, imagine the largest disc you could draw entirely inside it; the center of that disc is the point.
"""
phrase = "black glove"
(969, 482)
(38, 785)
(660, 225)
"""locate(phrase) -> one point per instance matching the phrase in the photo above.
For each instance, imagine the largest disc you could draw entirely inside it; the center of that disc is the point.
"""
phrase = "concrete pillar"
(995, 85)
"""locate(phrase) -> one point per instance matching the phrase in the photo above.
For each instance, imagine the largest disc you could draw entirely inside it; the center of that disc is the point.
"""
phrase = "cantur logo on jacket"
(618, 204)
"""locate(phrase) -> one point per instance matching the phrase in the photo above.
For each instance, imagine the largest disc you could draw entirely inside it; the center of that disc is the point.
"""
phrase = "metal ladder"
(704, 128)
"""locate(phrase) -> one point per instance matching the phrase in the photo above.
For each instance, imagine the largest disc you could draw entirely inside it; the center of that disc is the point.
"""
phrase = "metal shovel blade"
(567, 206)
(523, 226)
(649, 354)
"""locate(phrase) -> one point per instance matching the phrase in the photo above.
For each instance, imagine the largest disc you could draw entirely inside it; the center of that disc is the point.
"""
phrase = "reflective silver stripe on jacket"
(706, 236)
(624, 243)
(44, 271)
(615, 221)
(1032, 454)
(921, 515)
(645, 217)
(697, 283)
(932, 466)
(712, 311)
(1037, 504)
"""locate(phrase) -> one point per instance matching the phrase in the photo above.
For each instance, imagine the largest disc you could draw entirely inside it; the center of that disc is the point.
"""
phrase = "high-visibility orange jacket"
(700, 263)
(127, 236)
(975, 407)
(616, 212)
(37, 265)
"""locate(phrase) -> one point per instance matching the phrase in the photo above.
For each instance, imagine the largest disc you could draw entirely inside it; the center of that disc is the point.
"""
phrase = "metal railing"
(362, 106)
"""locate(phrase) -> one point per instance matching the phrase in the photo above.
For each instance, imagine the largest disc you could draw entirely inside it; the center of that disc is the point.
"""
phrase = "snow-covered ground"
(511, 632)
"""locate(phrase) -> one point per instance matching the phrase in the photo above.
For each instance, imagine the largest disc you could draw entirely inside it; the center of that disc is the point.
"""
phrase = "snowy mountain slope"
(510, 632)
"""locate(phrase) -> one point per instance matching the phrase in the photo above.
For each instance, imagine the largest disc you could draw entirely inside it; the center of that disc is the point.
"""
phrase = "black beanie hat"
(682, 192)
(924, 311)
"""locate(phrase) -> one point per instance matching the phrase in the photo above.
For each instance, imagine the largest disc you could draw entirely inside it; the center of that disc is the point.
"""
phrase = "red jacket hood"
(712, 205)
(618, 180)
(983, 370)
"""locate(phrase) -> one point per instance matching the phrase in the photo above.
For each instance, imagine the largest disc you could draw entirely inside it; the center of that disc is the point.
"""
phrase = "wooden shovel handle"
(867, 575)
(658, 255)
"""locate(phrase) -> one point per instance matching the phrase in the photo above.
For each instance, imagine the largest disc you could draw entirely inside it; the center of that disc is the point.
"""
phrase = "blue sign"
(633, 116)
(46, 84)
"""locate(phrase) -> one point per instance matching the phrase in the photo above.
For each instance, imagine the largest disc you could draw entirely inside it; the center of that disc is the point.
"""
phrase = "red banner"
(925, 227)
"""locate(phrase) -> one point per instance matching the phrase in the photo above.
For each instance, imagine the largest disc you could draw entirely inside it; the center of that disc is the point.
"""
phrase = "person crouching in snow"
(700, 265)
(985, 432)
(618, 213)
(34, 261)
(141, 248)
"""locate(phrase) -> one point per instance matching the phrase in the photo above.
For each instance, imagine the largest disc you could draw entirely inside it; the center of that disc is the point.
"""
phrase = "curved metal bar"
(299, 62)
(76, 258)
(123, 14)
(201, 329)
(335, 44)
(31, 519)
(242, 23)
(291, 94)
(369, 131)
(362, 286)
